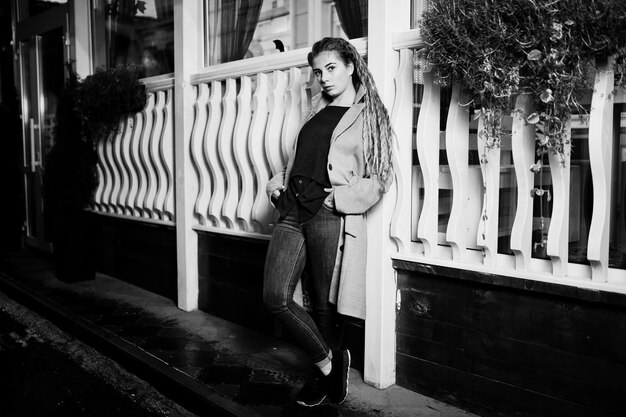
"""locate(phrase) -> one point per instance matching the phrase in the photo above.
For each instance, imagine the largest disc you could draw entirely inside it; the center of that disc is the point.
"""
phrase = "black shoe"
(313, 393)
(337, 380)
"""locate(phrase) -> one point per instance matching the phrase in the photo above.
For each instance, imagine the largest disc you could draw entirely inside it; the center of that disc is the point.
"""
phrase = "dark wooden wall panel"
(231, 287)
(140, 253)
(511, 350)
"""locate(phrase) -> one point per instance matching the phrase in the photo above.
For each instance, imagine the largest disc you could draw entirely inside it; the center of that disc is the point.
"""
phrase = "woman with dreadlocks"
(341, 167)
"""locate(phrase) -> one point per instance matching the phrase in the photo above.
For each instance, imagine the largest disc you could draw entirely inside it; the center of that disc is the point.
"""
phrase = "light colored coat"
(355, 193)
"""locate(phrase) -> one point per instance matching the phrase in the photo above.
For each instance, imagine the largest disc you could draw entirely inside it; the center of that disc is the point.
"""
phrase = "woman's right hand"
(277, 182)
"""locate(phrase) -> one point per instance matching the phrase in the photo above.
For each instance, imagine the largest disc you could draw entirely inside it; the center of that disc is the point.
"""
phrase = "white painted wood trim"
(402, 120)
(187, 58)
(225, 152)
(523, 149)
(427, 143)
(600, 158)
(457, 148)
(242, 157)
(558, 233)
(385, 16)
(267, 64)
(197, 153)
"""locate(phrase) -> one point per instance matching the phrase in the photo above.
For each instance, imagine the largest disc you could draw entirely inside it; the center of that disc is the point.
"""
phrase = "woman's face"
(333, 75)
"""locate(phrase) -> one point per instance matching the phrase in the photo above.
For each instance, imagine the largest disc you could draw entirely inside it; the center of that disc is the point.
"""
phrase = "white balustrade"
(136, 164)
(246, 135)
(476, 227)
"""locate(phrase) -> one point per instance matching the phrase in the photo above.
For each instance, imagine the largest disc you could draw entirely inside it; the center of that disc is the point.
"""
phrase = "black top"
(309, 175)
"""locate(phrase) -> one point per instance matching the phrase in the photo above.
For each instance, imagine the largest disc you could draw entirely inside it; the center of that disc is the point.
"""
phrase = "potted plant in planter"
(88, 111)
(543, 49)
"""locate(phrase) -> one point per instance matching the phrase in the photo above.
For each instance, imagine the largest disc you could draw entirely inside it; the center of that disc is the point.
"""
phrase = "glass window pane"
(133, 32)
(34, 7)
(581, 191)
(507, 200)
(235, 31)
(617, 246)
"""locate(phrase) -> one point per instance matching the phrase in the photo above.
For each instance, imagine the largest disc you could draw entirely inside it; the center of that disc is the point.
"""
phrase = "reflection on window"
(617, 245)
(134, 32)
(239, 29)
(34, 7)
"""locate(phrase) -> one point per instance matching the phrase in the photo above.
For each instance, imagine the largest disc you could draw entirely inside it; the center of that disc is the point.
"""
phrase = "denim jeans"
(295, 246)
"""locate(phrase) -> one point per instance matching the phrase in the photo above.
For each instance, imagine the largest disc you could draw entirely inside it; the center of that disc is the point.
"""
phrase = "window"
(134, 32)
(239, 29)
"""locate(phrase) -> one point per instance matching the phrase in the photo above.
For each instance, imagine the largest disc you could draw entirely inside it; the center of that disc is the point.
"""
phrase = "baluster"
(134, 196)
(155, 157)
(127, 170)
(275, 122)
(240, 143)
(427, 142)
(487, 235)
(261, 208)
(142, 152)
(167, 155)
(118, 179)
(210, 153)
(600, 158)
(465, 209)
(402, 120)
(146, 153)
(109, 174)
(523, 149)
(306, 94)
(558, 233)
(225, 152)
(292, 113)
(197, 153)
(102, 174)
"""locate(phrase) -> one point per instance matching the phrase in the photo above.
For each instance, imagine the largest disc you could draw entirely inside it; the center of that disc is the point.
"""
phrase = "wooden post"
(385, 17)
(187, 53)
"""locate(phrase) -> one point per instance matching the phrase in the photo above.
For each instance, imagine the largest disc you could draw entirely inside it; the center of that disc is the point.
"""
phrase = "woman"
(341, 167)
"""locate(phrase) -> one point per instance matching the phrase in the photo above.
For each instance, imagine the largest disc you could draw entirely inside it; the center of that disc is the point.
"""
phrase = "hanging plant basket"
(545, 48)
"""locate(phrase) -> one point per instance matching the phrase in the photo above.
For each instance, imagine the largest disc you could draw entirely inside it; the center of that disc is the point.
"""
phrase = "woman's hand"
(329, 201)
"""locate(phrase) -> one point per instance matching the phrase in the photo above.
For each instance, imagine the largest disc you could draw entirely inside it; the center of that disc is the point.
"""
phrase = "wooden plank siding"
(505, 348)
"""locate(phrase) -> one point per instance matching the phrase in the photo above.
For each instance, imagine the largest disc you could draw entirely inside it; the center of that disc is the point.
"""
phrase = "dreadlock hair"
(378, 134)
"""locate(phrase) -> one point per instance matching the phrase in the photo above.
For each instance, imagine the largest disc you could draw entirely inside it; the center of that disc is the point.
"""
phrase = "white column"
(187, 59)
(81, 39)
(385, 17)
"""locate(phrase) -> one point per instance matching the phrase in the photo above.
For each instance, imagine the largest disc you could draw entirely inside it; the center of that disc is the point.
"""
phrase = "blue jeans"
(294, 247)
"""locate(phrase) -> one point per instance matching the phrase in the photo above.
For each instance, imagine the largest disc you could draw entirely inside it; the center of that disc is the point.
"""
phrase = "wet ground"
(47, 373)
(208, 365)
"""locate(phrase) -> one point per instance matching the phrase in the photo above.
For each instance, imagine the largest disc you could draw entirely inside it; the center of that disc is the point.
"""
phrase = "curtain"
(239, 19)
(353, 17)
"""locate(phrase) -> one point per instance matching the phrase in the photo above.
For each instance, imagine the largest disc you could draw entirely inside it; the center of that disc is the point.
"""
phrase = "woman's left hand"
(329, 201)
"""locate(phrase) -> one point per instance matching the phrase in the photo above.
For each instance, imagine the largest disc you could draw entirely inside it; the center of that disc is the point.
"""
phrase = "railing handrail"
(408, 39)
(158, 83)
(252, 66)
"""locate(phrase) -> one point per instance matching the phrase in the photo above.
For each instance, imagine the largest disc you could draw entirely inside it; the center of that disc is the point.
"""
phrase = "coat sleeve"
(360, 194)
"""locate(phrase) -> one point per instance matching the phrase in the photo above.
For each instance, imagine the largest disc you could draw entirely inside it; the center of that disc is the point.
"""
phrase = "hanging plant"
(543, 48)
(89, 110)
(106, 97)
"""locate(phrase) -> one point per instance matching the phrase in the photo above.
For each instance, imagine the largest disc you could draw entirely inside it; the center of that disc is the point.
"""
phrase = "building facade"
(474, 290)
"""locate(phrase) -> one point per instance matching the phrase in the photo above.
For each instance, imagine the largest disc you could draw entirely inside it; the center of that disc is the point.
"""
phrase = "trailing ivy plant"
(544, 48)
